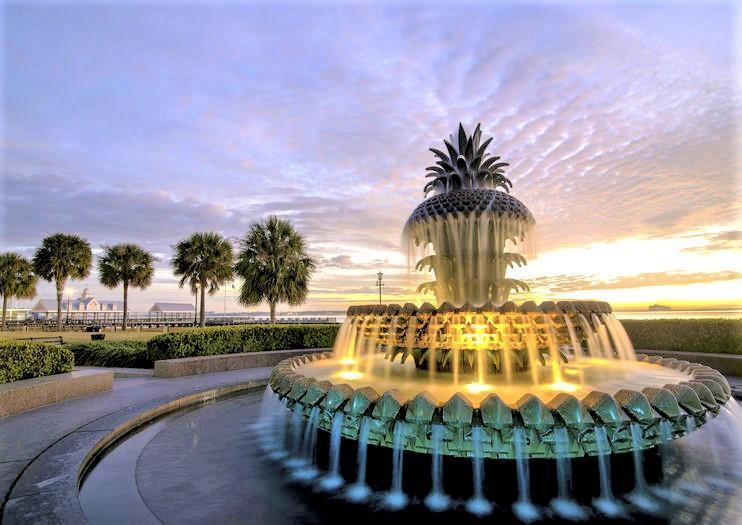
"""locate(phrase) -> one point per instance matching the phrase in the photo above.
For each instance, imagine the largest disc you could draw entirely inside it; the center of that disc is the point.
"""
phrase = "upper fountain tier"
(469, 223)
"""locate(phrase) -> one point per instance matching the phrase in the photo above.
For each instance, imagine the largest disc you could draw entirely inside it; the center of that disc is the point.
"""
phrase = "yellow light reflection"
(348, 361)
(561, 386)
(477, 388)
(349, 375)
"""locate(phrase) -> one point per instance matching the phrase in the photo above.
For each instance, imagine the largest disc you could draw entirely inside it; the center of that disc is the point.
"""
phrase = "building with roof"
(86, 304)
(170, 308)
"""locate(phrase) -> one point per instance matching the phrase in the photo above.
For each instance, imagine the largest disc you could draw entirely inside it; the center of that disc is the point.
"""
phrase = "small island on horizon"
(659, 308)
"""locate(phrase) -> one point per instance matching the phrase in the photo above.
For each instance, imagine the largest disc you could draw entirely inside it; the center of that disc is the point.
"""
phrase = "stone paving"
(26, 436)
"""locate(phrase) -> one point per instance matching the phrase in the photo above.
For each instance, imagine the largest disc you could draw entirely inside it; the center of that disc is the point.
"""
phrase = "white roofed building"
(170, 308)
(86, 303)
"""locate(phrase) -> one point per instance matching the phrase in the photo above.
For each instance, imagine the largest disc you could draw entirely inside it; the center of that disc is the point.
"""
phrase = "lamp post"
(379, 277)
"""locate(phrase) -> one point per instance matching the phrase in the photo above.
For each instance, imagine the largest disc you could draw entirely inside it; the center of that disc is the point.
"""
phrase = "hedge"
(236, 339)
(723, 336)
(203, 341)
(26, 359)
(127, 354)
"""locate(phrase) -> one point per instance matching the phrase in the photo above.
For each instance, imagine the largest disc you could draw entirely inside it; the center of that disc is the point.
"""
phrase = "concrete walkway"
(25, 437)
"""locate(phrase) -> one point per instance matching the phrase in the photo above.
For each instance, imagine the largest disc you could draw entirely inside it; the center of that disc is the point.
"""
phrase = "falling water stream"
(333, 480)
(296, 460)
(523, 508)
(278, 447)
(437, 499)
(606, 503)
(396, 498)
(563, 504)
(359, 491)
(478, 504)
(640, 495)
(307, 470)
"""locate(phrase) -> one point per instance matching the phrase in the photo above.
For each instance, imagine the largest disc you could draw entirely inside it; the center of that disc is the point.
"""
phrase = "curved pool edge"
(48, 489)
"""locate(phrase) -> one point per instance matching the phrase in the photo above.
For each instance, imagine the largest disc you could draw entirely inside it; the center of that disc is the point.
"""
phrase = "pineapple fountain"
(508, 393)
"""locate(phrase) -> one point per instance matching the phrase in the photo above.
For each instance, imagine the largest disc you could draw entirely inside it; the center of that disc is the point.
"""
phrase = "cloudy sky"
(146, 122)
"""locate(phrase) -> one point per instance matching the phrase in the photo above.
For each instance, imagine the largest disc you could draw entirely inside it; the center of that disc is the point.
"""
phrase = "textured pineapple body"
(469, 231)
(479, 201)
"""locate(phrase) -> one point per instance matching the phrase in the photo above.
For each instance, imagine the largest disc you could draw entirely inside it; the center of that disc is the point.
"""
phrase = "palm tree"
(204, 262)
(126, 265)
(16, 280)
(62, 257)
(274, 265)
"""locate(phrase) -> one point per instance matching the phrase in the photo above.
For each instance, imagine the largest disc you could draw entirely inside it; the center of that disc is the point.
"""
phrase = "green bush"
(723, 336)
(26, 359)
(236, 339)
(127, 354)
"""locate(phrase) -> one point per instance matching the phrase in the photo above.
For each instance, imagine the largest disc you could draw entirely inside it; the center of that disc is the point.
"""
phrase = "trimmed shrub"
(127, 354)
(27, 359)
(723, 336)
(237, 339)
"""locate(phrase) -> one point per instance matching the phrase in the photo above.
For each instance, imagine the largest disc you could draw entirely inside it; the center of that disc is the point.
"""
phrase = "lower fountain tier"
(655, 414)
(505, 339)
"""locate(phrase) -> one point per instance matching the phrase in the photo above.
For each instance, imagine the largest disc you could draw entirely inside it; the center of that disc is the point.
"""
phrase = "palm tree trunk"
(60, 290)
(5, 311)
(272, 306)
(202, 313)
(195, 312)
(126, 305)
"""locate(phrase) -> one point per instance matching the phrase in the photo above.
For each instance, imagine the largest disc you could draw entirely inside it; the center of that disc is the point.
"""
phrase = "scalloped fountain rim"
(680, 407)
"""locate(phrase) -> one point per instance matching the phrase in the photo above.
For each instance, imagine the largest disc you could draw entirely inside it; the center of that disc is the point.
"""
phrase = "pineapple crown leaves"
(466, 165)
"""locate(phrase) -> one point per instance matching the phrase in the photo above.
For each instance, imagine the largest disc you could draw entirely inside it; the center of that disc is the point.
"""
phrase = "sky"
(144, 122)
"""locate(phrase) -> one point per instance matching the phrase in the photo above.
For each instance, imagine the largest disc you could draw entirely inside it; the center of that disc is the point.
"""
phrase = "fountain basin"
(677, 397)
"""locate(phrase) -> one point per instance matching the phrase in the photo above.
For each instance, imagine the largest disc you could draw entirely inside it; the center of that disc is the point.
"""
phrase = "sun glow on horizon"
(632, 272)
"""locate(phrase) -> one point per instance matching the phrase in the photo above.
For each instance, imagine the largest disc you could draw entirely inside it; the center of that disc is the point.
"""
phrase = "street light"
(379, 277)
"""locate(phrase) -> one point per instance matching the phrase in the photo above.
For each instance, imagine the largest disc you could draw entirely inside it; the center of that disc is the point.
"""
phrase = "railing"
(87, 320)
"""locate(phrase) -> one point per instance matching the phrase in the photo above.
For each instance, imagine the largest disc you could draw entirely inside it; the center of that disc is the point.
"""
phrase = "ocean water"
(679, 314)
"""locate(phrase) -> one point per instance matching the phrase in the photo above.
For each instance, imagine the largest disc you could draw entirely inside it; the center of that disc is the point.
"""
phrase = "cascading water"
(306, 470)
(640, 495)
(359, 491)
(523, 508)
(333, 480)
(295, 459)
(606, 503)
(437, 499)
(564, 504)
(396, 498)
(481, 347)
(278, 445)
(478, 504)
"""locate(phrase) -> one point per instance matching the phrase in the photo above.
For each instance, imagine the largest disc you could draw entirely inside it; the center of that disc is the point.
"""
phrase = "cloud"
(723, 241)
(346, 262)
(573, 283)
